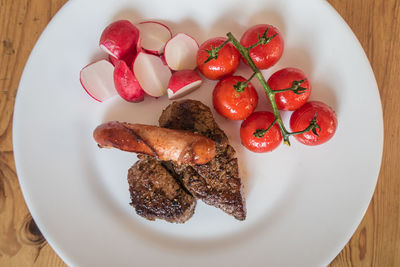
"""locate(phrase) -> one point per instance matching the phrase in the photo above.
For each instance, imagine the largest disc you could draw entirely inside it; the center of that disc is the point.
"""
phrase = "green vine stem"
(239, 87)
(244, 51)
(296, 88)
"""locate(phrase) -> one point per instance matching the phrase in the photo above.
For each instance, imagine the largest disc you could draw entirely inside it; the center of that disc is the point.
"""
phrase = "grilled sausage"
(162, 143)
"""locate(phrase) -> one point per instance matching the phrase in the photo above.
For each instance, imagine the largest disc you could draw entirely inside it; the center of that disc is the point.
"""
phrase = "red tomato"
(260, 120)
(326, 119)
(283, 79)
(265, 55)
(232, 104)
(226, 63)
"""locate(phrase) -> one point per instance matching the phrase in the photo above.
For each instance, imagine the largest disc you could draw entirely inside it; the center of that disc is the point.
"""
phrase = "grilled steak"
(155, 194)
(217, 183)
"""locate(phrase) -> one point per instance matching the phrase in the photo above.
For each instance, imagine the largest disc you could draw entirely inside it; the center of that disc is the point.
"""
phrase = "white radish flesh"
(152, 74)
(180, 52)
(182, 83)
(153, 36)
(97, 79)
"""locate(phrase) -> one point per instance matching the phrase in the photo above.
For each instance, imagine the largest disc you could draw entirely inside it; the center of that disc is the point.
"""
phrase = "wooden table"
(376, 24)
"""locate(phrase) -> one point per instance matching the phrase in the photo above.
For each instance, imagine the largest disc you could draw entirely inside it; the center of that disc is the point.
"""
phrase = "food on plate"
(182, 83)
(97, 80)
(226, 60)
(119, 38)
(149, 53)
(323, 115)
(234, 98)
(153, 36)
(128, 58)
(261, 47)
(296, 84)
(180, 52)
(126, 83)
(156, 194)
(259, 132)
(217, 182)
(153, 75)
(187, 158)
(162, 143)
(270, 45)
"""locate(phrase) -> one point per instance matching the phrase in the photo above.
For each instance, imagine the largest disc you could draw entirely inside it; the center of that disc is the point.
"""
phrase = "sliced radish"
(181, 51)
(128, 58)
(126, 83)
(151, 73)
(119, 38)
(97, 79)
(153, 36)
(182, 83)
(113, 60)
(162, 57)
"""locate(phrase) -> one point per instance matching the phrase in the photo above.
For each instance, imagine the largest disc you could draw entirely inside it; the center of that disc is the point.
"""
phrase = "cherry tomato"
(283, 79)
(263, 55)
(232, 104)
(326, 119)
(260, 120)
(225, 64)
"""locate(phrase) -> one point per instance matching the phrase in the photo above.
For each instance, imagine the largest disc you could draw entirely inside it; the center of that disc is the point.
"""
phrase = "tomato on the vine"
(226, 63)
(290, 78)
(263, 55)
(253, 132)
(231, 103)
(326, 120)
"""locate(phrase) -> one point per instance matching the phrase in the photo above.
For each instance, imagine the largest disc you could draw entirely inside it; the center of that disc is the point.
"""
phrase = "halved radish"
(119, 38)
(182, 83)
(162, 57)
(126, 83)
(128, 58)
(151, 73)
(153, 36)
(181, 51)
(113, 60)
(97, 79)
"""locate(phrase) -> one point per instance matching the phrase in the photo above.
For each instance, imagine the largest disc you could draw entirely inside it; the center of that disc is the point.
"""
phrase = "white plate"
(304, 203)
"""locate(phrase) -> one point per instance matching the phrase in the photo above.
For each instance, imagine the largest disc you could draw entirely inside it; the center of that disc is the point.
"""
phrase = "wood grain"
(376, 24)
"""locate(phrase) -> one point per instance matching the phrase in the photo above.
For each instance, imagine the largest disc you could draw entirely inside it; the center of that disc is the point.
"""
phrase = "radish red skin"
(113, 60)
(119, 38)
(126, 84)
(128, 58)
(180, 79)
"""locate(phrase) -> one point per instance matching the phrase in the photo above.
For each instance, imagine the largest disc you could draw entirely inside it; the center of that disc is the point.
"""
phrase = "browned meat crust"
(155, 194)
(217, 183)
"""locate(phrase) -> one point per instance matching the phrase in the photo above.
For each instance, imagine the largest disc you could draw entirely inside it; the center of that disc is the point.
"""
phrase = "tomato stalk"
(259, 133)
(295, 88)
(244, 51)
(313, 126)
(213, 52)
(239, 87)
(262, 40)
